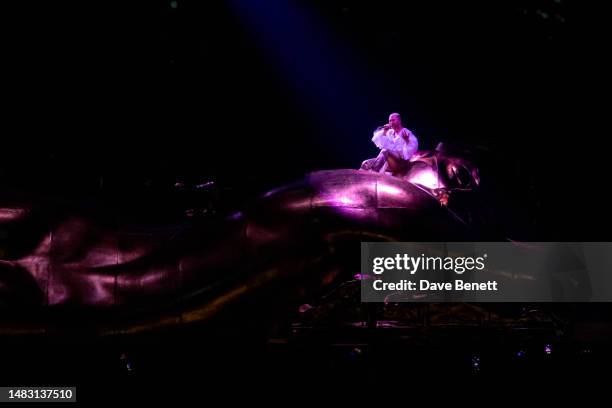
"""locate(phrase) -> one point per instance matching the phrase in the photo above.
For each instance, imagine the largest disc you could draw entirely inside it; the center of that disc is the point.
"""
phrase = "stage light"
(475, 363)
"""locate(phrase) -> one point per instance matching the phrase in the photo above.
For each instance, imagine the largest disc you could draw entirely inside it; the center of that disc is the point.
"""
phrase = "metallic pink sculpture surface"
(288, 244)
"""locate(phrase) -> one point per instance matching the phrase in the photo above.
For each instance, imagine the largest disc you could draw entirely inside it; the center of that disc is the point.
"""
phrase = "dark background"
(256, 93)
(115, 100)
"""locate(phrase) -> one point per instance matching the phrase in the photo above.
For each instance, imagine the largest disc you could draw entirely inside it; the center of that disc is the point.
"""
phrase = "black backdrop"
(152, 90)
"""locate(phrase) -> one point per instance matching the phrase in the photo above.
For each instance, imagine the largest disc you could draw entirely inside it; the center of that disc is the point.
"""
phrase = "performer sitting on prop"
(397, 145)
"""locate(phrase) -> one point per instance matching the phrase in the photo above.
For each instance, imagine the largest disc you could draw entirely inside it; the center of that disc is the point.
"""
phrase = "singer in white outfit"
(397, 145)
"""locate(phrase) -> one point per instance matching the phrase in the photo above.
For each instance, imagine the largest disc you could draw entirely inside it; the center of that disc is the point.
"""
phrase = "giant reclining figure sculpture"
(64, 267)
